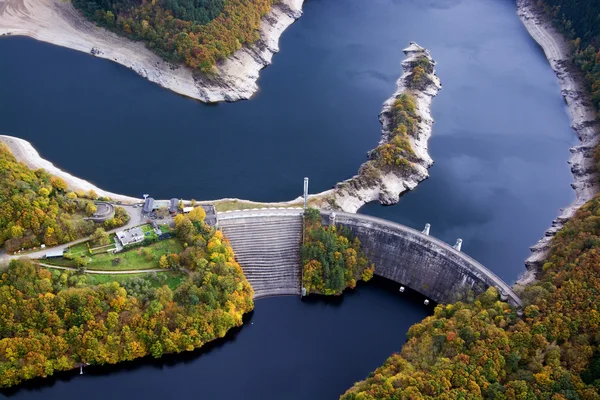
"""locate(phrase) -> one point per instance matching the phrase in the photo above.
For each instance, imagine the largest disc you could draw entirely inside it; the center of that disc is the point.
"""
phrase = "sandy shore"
(24, 152)
(57, 22)
(583, 121)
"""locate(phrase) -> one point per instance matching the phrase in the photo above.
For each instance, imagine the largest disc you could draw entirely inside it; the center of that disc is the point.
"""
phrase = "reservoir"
(500, 143)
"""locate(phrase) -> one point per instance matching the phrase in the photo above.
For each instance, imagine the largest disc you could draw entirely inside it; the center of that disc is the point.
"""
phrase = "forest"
(198, 33)
(38, 208)
(580, 21)
(485, 350)
(55, 320)
(332, 259)
(398, 152)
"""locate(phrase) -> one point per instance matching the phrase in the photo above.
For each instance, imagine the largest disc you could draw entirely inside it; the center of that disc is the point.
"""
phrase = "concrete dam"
(267, 246)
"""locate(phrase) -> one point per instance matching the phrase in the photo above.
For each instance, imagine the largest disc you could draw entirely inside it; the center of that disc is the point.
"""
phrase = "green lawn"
(79, 249)
(173, 279)
(139, 258)
(148, 228)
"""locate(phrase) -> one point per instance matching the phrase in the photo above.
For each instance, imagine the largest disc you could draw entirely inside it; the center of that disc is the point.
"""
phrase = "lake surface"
(287, 349)
(500, 144)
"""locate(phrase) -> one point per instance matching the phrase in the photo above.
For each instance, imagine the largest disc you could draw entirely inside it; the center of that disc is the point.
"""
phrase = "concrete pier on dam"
(267, 245)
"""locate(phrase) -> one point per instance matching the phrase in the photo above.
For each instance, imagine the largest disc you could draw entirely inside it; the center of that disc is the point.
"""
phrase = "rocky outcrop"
(583, 116)
(373, 183)
(57, 22)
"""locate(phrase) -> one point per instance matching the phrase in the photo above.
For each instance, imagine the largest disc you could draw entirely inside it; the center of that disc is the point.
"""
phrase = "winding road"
(135, 219)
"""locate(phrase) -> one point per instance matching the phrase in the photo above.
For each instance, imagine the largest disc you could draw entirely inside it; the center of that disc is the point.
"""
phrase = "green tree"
(100, 237)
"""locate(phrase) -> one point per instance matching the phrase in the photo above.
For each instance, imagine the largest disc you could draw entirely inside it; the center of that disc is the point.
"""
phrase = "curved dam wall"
(267, 246)
(419, 261)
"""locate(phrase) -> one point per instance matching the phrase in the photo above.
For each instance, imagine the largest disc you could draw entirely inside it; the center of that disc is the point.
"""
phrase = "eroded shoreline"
(348, 195)
(57, 22)
(583, 122)
(351, 194)
(26, 153)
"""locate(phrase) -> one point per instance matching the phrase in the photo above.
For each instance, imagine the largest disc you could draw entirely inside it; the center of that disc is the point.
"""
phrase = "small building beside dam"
(267, 246)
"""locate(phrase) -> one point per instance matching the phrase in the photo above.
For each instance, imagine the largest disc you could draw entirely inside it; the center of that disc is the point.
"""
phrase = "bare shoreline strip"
(57, 22)
(26, 153)
(583, 120)
(349, 195)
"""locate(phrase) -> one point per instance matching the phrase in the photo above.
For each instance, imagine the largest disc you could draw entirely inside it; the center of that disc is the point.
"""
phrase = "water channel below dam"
(500, 145)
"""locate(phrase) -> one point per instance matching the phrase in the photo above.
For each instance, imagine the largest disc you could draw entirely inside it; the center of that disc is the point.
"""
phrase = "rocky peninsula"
(59, 23)
(583, 119)
(374, 183)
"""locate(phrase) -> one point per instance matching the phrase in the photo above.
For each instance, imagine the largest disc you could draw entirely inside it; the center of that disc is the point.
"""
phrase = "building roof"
(174, 205)
(187, 209)
(54, 253)
(148, 204)
(129, 236)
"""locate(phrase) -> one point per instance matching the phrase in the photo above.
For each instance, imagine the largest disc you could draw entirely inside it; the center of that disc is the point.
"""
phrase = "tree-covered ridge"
(484, 350)
(580, 21)
(198, 33)
(398, 152)
(332, 259)
(53, 320)
(37, 208)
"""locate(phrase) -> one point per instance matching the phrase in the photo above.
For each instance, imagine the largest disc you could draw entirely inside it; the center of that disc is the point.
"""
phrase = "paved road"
(135, 219)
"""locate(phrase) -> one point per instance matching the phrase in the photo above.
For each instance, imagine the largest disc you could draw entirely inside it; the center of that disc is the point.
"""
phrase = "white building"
(130, 236)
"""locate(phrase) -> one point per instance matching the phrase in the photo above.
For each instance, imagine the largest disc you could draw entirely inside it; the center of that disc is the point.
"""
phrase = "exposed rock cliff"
(385, 185)
(57, 22)
(584, 123)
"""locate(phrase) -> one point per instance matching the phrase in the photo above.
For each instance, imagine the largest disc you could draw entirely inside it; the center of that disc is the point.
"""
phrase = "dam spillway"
(267, 244)
(267, 247)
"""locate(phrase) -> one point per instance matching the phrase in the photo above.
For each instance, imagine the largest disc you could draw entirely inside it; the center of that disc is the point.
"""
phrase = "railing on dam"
(405, 255)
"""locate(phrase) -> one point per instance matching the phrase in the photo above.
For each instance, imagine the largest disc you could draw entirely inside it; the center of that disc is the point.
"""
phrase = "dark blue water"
(287, 349)
(500, 143)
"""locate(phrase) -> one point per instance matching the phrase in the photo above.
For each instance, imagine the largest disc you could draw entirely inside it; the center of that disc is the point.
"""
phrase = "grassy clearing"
(80, 249)
(149, 231)
(171, 279)
(139, 258)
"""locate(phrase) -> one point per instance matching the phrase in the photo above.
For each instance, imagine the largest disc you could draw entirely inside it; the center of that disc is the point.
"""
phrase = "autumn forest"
(198, 33)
